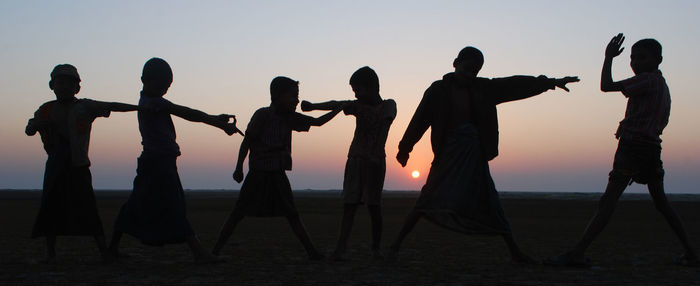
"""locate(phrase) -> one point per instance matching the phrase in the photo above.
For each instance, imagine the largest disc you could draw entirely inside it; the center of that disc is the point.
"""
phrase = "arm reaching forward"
(219, 121)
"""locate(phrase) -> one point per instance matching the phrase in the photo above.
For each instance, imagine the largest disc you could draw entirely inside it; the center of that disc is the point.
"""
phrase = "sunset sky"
(224, 54)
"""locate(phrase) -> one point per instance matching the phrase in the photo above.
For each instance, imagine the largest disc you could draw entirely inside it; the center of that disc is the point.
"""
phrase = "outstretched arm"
(219, 121)
(328, 105)
(326, 117)
(242, 153)
(613, 49)
(520, 87)
(121, 107)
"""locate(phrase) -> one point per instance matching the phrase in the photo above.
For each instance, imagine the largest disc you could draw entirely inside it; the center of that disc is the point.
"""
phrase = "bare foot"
(316, 256)
(391, 254)
(568, 259)
(377, 254)
(49, 260)
(689, 260)
(523, 258)
(207, 258)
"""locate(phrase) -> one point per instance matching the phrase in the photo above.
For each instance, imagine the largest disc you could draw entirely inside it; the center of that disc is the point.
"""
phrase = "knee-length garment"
(459, 193)
(155, 212)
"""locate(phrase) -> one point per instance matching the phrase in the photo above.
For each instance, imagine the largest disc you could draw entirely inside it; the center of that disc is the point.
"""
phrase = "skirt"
(68, 205)
(155, 212)
(459, 193)
(266, 194)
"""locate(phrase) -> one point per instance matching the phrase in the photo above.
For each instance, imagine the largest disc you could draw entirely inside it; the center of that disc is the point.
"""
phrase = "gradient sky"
(224, 54)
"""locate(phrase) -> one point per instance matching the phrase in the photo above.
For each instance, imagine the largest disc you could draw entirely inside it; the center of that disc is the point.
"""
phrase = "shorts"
(638, 162)
(364, 181)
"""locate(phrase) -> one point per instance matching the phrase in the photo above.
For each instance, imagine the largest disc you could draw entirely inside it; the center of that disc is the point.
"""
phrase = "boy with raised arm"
(366, 164)
(460, 109)
(638, 155)
(155, 212)
(266, 191)
(68, 205)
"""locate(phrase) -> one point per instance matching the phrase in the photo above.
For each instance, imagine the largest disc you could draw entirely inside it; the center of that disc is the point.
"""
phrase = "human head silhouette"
(468, 62)
(156, 77)
(284, 94)
(645, 56)
(65, 82)
(365, 84)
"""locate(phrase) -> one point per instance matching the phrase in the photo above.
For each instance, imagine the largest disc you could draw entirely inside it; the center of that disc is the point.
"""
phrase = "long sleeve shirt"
(484, 94)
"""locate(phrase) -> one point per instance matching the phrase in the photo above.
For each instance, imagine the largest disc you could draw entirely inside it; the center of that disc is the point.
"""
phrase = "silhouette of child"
(68, 205)
(638, 155)
(366, 165)
(155, 212)
(460, 109)
(266, 191)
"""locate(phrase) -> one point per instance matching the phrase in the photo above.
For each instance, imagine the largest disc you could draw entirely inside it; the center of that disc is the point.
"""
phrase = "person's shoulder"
(262, 111)
(48, 104)
(389, 103)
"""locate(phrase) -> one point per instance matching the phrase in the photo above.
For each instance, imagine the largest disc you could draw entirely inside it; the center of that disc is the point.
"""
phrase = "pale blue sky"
(224, 53)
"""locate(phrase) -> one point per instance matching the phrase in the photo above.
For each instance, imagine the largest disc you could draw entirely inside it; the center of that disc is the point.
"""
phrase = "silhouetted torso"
(372, 123)
(156, 127)
(270, 136)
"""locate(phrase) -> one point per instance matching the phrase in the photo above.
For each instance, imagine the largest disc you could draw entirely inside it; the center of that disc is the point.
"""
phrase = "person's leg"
(227, 230)
(656, 190)
(411, 221)
(102, 246)
(50, 248)
(200, 255)
(114, 243)
(515, 252)
(375, 214)
(606, 206)
(345, 228)
(303, 236)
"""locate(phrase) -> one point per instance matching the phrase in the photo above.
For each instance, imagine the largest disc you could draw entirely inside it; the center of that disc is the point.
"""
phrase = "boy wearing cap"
(68, 206)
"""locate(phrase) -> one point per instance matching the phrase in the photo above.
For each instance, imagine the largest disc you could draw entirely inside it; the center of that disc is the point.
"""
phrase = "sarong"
(68, 205)
(155, 212)
(459, 193)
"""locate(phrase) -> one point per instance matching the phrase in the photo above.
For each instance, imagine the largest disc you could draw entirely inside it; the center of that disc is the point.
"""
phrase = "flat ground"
(637, 248)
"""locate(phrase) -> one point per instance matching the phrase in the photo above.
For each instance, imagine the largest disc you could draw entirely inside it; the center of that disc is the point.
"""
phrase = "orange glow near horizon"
(415, 174)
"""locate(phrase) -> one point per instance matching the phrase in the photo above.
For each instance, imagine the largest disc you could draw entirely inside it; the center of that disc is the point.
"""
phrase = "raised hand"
(561, 82)
(402, 158)
(615, 48)
(306, 106)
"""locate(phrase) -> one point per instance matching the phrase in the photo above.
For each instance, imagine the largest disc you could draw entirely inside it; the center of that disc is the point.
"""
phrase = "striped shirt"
(270, 137)
(648, 108)
(372, 124)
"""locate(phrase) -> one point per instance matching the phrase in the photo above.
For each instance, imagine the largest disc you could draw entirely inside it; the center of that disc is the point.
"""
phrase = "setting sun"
(415, 174)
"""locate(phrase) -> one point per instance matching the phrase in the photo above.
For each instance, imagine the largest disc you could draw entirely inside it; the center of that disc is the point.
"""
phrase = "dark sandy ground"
(637, 248)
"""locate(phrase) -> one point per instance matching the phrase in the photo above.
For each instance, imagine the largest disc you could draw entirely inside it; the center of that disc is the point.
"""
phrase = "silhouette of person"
(638, 155)
(155, 212)
(266, 191)
(460, 109)
(366, 164)
(68, 205)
